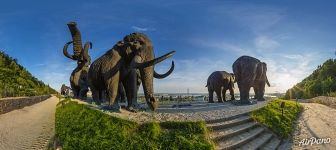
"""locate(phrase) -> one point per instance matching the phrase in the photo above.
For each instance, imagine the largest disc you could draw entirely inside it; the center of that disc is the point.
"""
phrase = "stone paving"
(198, 111)
(28, 128)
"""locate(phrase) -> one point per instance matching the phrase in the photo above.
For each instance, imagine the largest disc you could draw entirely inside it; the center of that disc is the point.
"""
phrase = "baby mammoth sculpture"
(120, 64)
(250, 72)
(219, 82)
(78, 78)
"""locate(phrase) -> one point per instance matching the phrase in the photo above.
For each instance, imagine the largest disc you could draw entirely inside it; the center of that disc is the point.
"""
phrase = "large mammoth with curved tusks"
(219, 82)
(250, 72)
(120, 64)
(78, 78)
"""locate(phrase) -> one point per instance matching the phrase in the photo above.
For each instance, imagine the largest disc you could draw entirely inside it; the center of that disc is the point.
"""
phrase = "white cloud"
(284, 71)
(221, 45)
(142, 29)
(265, 43)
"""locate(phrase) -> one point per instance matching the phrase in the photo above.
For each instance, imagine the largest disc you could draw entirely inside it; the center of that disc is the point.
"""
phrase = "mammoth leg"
(130, 85)
(231, 93)
(211, 91)
(83, 90)
(95, 96)
(121, 93)
(82, 93)
(256, 92)
(224, 94)
(219, 95)
(75, 92)
(244, 93)
(260, 91)
(112, 92)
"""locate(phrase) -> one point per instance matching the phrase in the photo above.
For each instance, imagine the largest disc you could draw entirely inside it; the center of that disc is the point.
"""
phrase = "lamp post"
(282, 105)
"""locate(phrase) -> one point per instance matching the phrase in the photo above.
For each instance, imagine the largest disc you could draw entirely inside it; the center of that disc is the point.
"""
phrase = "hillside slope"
(321, 82)
(15, 80)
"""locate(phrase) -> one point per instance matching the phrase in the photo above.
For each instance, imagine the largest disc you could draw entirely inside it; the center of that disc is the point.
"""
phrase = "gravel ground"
(28, 128)
(208, 112)
(316, 121)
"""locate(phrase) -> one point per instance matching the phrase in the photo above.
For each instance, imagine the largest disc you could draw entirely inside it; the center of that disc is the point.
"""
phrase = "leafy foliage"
(322, 82)
(15, 80)
(79, 127)
(271, 116)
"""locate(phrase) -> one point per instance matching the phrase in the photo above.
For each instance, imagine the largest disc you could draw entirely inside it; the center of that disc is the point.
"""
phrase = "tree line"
(15, 80)
(322, 82)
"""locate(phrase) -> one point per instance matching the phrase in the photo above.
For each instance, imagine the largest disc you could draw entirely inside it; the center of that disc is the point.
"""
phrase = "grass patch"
(79, 127)
(271, 116)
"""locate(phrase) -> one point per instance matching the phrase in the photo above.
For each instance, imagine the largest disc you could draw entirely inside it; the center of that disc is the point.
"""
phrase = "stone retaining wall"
(9, 104)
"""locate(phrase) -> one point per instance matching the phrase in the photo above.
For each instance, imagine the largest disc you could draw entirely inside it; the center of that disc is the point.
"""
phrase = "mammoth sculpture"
(219, 82)
(120, 64)
(78, 78)
(65, 90)
(250, 72)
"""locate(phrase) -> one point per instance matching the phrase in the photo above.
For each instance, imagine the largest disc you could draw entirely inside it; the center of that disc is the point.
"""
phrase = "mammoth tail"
(267, 82)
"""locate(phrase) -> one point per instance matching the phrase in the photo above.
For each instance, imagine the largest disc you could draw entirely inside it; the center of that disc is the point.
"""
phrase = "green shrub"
(79, 127)
(15, 80)
(271, 116)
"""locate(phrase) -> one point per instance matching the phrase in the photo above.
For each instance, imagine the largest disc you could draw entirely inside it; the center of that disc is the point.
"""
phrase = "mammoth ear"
(233, 78)
(264, 66)
(259, 70)
(232, 81)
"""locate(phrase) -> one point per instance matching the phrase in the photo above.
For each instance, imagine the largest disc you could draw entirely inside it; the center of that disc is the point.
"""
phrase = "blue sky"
(292, 37)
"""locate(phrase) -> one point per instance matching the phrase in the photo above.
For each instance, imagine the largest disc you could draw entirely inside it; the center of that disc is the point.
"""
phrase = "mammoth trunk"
(76, 37)
(147, 83)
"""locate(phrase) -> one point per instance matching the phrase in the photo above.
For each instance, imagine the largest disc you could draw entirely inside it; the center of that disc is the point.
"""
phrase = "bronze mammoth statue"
(250, 72)
(78, 78)
(219, 82)
(135, 53)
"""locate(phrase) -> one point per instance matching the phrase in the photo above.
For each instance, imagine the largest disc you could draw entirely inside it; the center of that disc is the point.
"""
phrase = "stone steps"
(230, 123)
(241, 132)
(230, 132)
(258, 142)
(226, 119)
(273, 144)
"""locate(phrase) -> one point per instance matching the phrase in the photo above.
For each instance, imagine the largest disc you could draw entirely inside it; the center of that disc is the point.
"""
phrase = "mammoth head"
(78, 49)
(261, 72)
(232, 79)
(141, 52)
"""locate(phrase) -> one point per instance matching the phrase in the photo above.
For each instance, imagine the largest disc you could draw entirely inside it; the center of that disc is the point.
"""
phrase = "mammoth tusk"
(161, 76)
(76, 37)
(85, 54)
(65, 51)
(137, 61)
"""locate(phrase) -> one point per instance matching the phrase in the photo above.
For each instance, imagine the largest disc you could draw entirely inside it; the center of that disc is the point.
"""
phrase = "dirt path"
(317, 121)
(28, 128)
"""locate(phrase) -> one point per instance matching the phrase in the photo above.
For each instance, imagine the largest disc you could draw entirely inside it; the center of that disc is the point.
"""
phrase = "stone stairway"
(241, 132)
